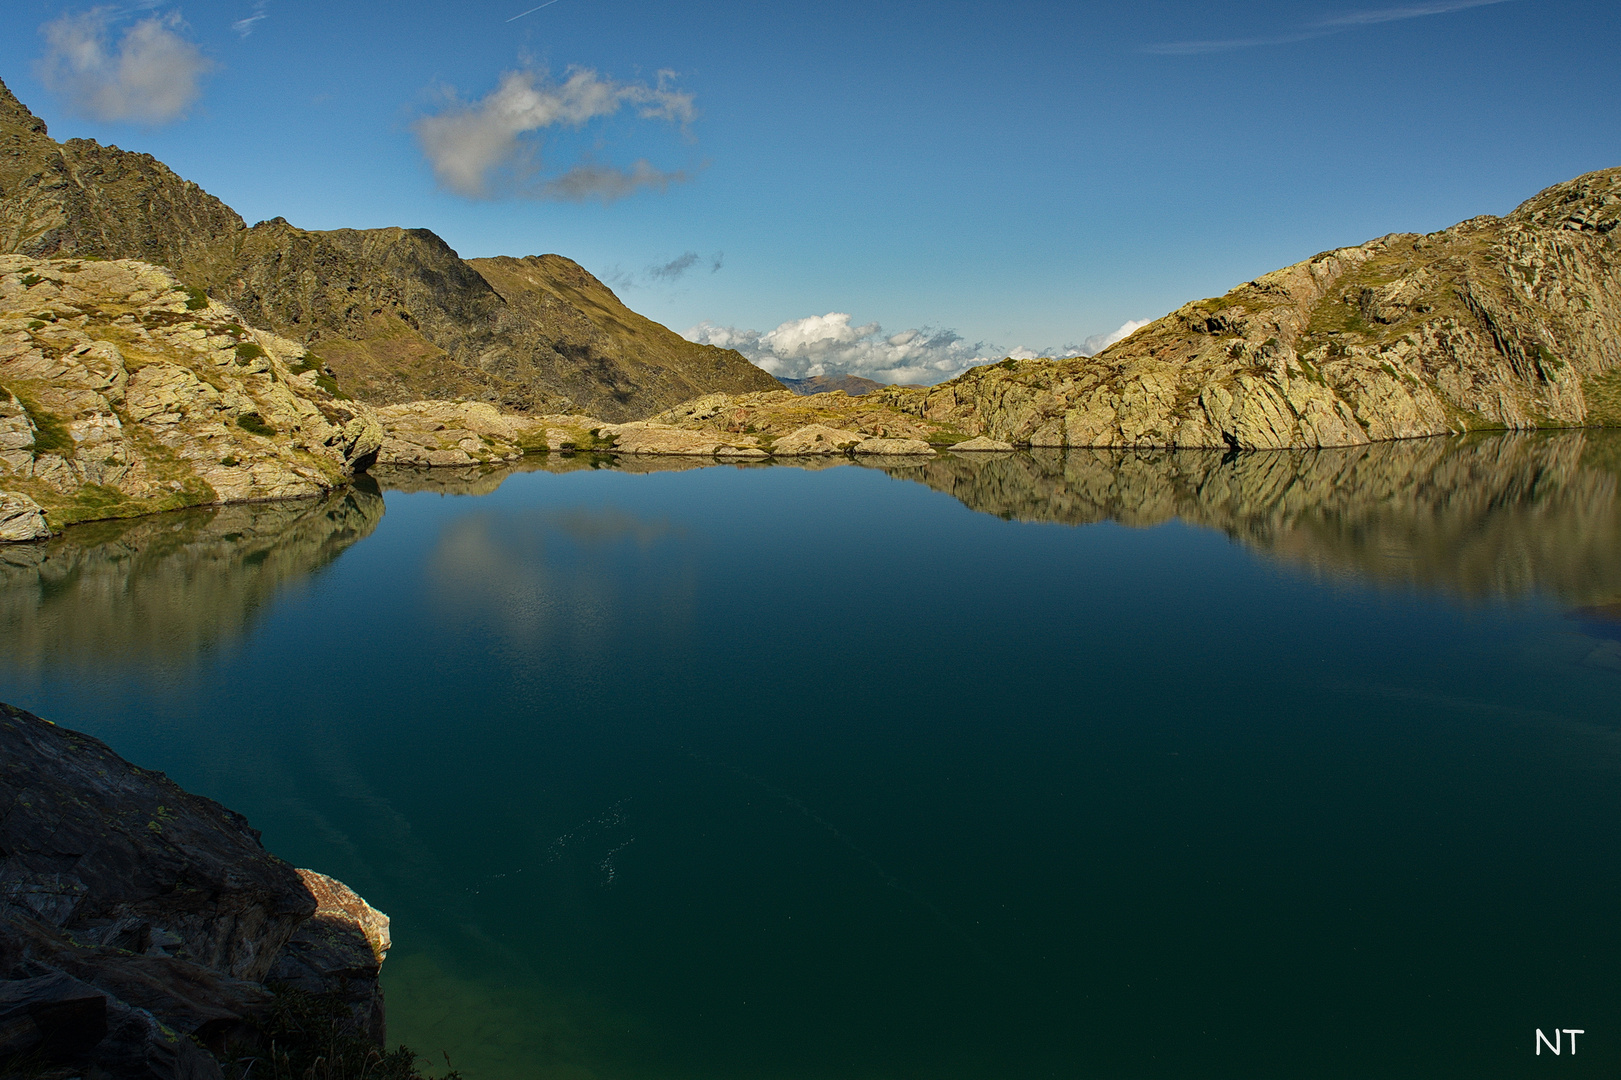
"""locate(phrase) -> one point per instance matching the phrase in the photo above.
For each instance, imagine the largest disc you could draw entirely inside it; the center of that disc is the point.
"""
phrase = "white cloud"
(832, 344)
(151, 77)
(488, 147)
(1098, 342)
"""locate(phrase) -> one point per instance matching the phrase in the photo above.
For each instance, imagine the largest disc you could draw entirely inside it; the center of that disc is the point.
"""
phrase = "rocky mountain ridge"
(394, 313)
(1496, 323)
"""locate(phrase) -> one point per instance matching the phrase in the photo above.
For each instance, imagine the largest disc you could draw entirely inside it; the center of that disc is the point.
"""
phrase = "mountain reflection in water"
(164, 588)
(1481, 516)
(1478, 516)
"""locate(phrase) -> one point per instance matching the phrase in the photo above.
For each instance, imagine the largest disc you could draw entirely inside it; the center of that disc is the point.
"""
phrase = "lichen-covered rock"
(21, 518)
(892, 447)
(982, 443)
(121, 394)
(642, 437)
(815, 439)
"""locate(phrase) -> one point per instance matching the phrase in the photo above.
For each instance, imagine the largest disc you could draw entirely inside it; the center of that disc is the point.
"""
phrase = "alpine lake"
(1047, 764)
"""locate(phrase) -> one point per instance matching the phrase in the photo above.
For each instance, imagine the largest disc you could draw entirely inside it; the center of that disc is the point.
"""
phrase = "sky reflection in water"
(783, 772)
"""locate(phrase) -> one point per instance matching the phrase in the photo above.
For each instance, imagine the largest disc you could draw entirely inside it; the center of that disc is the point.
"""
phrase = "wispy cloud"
(674, 268)
(244, 26)
(1407, 11)
(532, 10)
(663, 273)
(153, 75)
(492, 146)
(1319, 29)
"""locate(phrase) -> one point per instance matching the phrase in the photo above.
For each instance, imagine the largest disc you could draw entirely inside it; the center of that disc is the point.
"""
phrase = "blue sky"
(1022, 175)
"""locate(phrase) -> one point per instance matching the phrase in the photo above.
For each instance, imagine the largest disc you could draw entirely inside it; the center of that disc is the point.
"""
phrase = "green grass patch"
(196, 299)
(247, 352)
(30, 280)
(254, 424)
(36, 324)
(51, 435)
(1603, 394)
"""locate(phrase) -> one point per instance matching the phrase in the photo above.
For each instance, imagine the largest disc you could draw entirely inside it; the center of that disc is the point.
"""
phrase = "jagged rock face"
(1495, 323)
(81, 198)
(120, 393)
(393, 313)
(605, 358)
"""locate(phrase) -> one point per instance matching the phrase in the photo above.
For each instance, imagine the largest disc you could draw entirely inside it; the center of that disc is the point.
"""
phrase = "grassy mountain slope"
(395, 314)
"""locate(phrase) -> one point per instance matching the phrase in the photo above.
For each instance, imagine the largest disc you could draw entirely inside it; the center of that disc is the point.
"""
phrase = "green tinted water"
(1111, 765)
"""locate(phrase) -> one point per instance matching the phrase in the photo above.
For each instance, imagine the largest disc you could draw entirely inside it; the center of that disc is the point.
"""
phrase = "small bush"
(229, 461)
(247, 352)
(196, 299)
(311, 1037)
(35, 324)
(254, 424)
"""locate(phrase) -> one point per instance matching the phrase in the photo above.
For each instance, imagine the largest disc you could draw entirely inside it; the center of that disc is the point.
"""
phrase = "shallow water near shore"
(1036, 765)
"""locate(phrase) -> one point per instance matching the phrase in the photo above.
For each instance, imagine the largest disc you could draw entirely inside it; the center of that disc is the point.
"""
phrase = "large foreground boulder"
(140, 923)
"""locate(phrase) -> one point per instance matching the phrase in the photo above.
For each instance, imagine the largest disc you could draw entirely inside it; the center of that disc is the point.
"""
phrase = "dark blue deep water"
(1086, 765)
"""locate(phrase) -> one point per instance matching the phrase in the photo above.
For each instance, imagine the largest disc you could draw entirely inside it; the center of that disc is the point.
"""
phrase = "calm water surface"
(1085, 765)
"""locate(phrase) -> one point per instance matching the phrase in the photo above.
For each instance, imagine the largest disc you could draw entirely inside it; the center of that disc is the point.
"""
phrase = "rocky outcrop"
(139, 923)
(340, 951)
(21, 518)
(393, 314)
(1494, 323)
(121, 393)
(461, 433)
(643, 438)
(83, 199)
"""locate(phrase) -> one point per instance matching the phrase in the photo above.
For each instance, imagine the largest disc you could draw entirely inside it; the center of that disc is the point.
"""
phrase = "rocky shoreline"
(145, 932)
